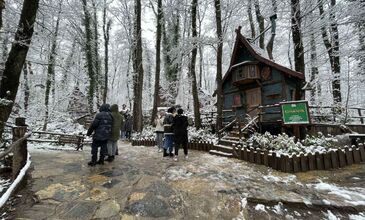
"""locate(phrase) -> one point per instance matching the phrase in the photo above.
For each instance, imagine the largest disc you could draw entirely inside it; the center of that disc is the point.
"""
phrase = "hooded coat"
(180, 127)
(102, 124)
(117, 122)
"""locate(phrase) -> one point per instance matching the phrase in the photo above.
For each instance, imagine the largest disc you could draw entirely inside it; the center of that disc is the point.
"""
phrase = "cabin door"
(253, 97)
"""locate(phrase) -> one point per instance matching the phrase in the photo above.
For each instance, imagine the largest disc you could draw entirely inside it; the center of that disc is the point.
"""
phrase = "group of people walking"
(107, 127)
(171, 131)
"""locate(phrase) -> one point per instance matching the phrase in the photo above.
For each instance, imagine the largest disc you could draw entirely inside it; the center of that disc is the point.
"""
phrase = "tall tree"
(51, 68)
(99, 87)
(26, 87)
(106, 32)
(250, 19)
(260, 19)
(138, 69)
(91, 70)
(297, 36)
(332, 45)
(219, 93)
(192, 71)
(270, 44)
(16, 58)
(156, 96)
(2, 7)
(171, 41)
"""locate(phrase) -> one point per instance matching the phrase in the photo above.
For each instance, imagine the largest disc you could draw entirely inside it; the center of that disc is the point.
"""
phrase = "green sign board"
(295, 113)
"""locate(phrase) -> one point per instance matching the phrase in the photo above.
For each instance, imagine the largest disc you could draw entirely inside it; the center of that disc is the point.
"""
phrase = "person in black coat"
(180, 126)
(102, 129)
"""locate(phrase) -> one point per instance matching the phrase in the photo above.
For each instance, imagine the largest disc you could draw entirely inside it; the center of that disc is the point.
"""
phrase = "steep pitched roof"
(259, 55)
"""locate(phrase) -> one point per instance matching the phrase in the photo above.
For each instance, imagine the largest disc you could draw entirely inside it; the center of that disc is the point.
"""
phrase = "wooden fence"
(20, 158)
(294, 163)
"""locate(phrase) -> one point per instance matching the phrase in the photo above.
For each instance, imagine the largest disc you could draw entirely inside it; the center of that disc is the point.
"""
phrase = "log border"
(295, 163)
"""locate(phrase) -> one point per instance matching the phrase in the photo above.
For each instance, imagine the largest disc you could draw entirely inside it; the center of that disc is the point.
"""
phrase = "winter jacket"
(159, 124)
(117, 122)
(102, 124)
(168, 124)
(128, 125)
(180, 126)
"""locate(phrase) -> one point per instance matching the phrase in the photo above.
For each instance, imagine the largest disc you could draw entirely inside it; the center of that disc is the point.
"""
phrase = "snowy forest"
(150, 53)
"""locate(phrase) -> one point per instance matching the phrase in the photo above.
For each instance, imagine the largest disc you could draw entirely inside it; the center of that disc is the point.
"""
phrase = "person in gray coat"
(113, 141)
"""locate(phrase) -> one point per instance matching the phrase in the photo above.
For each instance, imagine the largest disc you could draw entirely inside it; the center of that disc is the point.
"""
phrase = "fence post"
(20, 151)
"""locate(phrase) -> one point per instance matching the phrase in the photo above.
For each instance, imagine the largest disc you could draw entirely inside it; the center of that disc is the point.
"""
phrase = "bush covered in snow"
(194, 135)
(283, 144)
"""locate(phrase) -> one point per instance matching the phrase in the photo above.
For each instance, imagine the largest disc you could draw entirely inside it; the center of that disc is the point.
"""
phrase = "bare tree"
(250, 18)
(91, 69)
(333, 49)
(156, 96)
(270, 44)
(192, 72)
(260, 19)
(297, 36)
(106, 30)
(51, 68)
(218, 20)
(138, 69)
(16, 58)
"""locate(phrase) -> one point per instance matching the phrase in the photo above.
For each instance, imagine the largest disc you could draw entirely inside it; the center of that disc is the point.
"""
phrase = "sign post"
(295, 113)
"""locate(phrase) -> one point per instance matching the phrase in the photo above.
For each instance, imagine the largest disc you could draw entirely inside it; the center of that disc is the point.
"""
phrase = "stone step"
(223, 148)
(220, 153)
(231, 138)
(228, 142)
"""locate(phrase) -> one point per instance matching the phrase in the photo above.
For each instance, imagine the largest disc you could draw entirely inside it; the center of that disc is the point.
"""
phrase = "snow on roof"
(259, 51)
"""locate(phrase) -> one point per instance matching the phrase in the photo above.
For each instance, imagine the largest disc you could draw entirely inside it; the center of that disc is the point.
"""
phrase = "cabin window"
(237, 100)
(247, 72)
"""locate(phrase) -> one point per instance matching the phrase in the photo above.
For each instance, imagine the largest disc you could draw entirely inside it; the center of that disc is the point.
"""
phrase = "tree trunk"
(51, 69)
(332, 46)
(138, 69)
(297, 36)
(314, 71)
(15, 61)
(270, 44)
(194, 52)
(261, 21)
(89, 56)
(106, 30)
(26, 87)
(219, 93)
(250, 18)
(2, 7)
(156, 96)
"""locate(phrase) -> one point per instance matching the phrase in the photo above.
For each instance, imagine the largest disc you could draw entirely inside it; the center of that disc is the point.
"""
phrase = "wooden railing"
(18, 147)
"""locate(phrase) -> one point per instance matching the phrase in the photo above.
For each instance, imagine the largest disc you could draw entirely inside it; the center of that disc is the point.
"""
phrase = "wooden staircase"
(226, 144)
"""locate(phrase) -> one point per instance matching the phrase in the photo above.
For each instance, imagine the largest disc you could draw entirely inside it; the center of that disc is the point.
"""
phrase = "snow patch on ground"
(285, 179)
(4, 183)
(331, 216)
(360, 216)
(260, 207)
(42, 147)
(352, 196)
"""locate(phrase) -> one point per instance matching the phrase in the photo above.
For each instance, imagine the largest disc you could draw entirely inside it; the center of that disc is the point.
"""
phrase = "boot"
(165, 154)
(101, 160)
(91, 163)
(110, 158)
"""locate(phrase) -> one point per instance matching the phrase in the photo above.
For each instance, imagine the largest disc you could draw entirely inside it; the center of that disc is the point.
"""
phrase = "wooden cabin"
(254, 80)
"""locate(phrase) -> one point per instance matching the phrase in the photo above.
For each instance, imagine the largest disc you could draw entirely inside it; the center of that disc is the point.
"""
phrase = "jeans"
(159, 139)
(169, 143)
(184, 145)
(94, 150)
(112, 147)
(122, 135)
